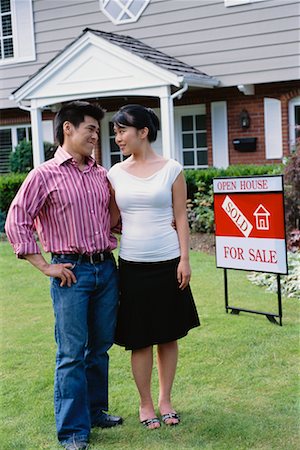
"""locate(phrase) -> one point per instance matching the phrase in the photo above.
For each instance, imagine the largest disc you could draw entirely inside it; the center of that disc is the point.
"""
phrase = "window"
(123, 11)
(115, 153)
(191, 124)
(5, 149)
(16, 31)
(294, 122)
(10, 137)
(7, 46)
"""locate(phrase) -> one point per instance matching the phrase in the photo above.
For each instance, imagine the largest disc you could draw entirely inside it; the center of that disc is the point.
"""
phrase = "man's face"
(83, 139)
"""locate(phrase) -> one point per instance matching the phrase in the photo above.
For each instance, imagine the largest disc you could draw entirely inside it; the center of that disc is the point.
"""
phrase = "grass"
(236, 385)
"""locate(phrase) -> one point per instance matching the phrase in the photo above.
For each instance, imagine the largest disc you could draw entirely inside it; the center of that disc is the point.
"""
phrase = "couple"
(71, 204)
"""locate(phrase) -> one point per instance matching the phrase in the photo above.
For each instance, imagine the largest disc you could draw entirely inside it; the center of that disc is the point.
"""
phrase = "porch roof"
(101, 64)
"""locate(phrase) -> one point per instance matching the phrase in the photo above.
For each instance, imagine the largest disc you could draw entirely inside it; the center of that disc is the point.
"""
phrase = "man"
(66, 200)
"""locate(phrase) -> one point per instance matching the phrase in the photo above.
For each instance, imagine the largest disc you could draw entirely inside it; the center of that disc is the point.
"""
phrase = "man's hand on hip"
(62, 271)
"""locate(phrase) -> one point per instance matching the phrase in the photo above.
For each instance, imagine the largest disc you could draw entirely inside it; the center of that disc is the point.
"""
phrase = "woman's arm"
(179, 193)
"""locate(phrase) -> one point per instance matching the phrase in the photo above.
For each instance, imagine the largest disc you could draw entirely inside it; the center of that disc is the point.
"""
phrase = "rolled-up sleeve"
(19, 226)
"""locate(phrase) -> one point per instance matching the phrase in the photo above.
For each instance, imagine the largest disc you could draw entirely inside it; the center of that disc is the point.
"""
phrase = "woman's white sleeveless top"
(146, 209)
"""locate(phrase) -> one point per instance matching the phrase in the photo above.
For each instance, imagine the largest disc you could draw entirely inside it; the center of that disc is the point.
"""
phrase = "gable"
(92, 65)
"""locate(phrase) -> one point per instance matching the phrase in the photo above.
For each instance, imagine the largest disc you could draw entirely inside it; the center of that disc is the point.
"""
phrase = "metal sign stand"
(269, 316)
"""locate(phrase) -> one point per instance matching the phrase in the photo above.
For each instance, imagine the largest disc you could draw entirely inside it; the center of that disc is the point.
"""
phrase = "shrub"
(200, 211)
(2, 221)
(9, 185)
(290, 284)
(292, 192)
(193, 177)
(21, 160)
(293, 243)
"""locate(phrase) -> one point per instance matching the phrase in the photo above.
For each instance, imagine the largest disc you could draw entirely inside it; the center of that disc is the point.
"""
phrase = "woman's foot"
(148, 418)
(168, 415)
(152, 424)
(171, 418)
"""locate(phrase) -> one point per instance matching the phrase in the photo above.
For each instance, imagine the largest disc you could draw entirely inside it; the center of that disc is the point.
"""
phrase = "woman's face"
(128, 139)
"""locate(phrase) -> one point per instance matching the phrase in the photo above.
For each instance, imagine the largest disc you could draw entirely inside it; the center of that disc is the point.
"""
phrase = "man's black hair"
(74, 112)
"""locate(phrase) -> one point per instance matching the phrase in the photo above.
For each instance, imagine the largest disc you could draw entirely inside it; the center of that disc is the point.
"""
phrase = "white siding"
(252, 43)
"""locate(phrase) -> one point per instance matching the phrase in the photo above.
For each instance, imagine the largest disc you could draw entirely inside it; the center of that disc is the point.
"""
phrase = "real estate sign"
(249, 219)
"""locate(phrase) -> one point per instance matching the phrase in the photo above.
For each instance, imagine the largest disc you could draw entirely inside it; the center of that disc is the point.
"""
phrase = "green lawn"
(236, 386)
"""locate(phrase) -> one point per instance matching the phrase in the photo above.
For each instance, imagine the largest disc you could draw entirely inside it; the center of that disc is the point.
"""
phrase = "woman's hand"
(183, 273)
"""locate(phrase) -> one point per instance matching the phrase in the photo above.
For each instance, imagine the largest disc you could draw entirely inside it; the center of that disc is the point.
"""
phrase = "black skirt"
(153, 310)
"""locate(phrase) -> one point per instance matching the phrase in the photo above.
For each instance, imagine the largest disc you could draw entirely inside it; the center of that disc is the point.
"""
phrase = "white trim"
(37, 136)
(23, 33)
(179, 111)
(47, 131)
(292, 103)
(273, 128)
(229, 3)
(125, 9)
(151, 75)
(219, 134)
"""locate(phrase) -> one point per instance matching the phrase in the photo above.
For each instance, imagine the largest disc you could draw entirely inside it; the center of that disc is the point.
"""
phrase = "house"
(223, 75)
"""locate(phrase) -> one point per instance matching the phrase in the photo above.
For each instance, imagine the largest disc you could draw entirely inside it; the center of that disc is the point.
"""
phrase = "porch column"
(37, 135)
(167, 123)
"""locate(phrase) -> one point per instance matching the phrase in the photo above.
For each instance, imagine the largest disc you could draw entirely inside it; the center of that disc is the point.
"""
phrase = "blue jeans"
(85, 319)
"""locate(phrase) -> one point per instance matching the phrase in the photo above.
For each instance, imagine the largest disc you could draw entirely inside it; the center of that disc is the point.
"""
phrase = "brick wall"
(236, 102)
(254, 105)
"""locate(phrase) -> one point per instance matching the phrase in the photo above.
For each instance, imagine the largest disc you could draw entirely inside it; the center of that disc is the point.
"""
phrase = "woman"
(156, 304)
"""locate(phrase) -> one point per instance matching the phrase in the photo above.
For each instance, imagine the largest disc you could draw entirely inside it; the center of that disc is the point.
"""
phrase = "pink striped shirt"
(66, 206)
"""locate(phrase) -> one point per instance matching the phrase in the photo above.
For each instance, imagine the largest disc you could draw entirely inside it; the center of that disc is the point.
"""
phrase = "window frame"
(179, 112)
(125, 9)
(14, 133)
(292, 123)
(48, 133)
(21, 54)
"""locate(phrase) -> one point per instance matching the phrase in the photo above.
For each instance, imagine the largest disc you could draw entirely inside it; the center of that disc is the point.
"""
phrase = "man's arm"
(19, 226)
(19, 229)
(61, 271)
(115, 218)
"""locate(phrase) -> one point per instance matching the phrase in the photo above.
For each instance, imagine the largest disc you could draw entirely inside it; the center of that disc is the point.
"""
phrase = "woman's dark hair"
(139, 117)
(75, 112)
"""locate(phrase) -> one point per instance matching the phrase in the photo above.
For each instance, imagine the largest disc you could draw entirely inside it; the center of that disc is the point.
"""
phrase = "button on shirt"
(66, 206)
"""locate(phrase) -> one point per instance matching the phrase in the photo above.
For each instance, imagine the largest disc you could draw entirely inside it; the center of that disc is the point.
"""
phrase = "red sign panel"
(249, 219)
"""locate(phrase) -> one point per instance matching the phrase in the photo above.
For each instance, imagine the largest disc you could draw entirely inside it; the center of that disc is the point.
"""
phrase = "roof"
(176, 67)
(261, 210)
(150, 54)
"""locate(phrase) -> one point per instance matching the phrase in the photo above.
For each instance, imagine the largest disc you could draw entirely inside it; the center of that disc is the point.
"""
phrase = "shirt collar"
(61, 156)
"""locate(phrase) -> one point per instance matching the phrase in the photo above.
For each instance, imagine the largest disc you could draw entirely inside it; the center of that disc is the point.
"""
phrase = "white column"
(167, 123)
(37, 135)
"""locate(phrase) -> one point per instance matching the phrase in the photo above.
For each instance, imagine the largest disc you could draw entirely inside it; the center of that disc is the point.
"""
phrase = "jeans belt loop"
(99, 256)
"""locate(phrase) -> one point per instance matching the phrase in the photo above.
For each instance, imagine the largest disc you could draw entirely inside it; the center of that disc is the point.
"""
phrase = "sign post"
(250, 229)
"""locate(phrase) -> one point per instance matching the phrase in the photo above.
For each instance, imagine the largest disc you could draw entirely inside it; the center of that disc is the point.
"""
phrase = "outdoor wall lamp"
(244, 119)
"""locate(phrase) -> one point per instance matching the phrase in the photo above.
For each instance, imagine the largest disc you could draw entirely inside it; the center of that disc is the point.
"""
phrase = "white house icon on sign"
(262, 218)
